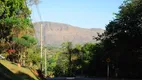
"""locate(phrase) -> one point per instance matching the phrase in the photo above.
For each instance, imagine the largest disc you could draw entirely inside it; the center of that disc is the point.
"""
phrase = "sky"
(81, 13)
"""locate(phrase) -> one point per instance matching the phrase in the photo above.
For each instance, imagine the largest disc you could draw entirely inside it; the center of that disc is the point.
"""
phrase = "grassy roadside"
(19, 72)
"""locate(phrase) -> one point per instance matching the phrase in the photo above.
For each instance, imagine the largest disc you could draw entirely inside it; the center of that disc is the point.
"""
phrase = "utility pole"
(45, 63)
(41, 40)
(41, 46)
(108, 61)
(108, 70)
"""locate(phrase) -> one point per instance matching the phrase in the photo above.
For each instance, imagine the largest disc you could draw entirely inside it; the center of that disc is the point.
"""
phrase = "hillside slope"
(57, 33)
(10, 71)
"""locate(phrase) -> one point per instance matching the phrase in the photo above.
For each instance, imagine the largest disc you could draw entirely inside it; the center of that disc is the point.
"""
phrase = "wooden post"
(45, 63)
(108, 61)
(41, 46)
(108, 70)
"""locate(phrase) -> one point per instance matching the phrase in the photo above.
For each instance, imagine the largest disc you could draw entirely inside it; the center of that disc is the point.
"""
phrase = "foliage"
(61, 68)
(121, 42)
(67, 47)
(13, 8)
(122, 39)
(16, 29)
(74, 60)
(33, 57)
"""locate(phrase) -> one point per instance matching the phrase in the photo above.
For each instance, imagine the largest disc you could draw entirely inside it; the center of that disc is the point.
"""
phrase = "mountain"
(57, 33)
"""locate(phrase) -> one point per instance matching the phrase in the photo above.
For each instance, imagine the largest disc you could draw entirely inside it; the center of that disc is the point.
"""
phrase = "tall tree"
(123, 36)
(16, 26)
(68, 50)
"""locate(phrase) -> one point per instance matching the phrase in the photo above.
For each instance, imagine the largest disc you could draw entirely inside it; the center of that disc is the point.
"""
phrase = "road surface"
(73, 78)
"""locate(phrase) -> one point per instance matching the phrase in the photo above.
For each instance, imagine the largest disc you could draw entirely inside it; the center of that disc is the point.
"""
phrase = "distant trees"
(74, 59)
(121, 42)
(68, 49)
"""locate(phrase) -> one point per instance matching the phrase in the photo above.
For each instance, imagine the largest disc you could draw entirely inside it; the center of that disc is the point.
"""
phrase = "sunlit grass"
(15, 69)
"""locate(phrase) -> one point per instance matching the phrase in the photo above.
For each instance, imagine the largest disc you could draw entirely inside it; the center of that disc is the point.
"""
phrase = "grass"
(21, 72)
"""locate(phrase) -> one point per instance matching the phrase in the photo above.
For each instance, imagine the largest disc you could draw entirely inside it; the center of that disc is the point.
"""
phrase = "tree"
(13, 14)
(16, 28)
(22, 44)
(122, 38)
(88, 51)
(68, 50)
(61, 68)
(33, 57)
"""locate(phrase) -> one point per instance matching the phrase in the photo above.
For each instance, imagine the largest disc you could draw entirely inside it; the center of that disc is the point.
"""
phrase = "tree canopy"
(123, 36)
(16, 28)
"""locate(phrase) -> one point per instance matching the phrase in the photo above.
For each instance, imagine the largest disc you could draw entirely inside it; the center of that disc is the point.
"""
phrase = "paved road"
(72, 78)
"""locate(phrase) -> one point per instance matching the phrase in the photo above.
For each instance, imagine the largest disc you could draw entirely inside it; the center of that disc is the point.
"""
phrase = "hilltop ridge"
(57, 33)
